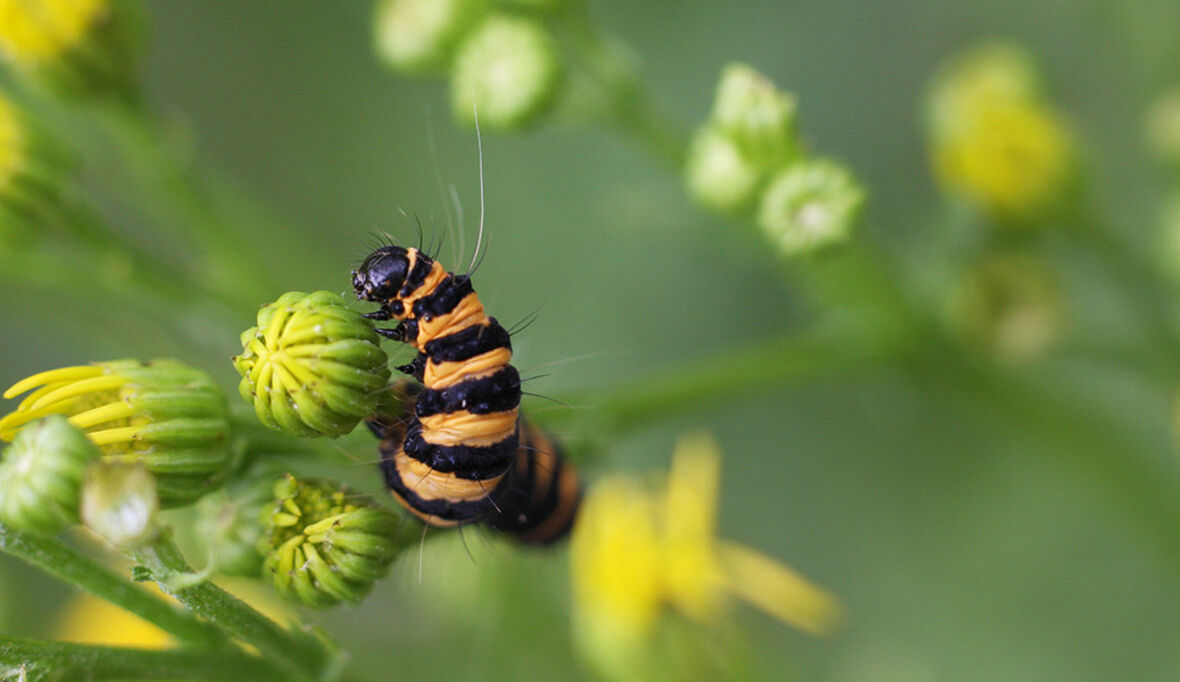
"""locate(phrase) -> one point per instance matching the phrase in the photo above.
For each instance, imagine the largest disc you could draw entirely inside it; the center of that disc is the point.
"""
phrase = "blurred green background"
(960, 551)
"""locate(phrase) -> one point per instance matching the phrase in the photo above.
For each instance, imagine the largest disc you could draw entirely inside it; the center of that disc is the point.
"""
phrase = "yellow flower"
(636, 551)
(993, 140)
(89, 620)
(34, 31)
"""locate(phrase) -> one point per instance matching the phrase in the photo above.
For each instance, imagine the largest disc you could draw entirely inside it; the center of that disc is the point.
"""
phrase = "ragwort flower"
(637, 552)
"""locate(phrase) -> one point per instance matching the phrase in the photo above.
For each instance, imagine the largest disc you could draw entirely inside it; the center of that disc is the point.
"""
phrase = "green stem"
(30, 659)
(67, 564)
(306, 656)
(619, 98)
(761, 366)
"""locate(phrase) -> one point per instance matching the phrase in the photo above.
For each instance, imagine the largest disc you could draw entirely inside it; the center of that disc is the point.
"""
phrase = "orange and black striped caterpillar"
(460, 455)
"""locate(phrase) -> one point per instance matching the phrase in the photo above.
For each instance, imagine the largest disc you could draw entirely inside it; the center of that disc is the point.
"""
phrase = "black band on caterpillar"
(461, 437)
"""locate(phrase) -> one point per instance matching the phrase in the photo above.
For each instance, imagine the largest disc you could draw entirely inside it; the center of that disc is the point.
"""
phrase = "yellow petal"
(779, 591)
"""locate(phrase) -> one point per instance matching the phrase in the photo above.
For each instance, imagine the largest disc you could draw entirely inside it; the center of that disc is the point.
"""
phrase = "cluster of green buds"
(747, 159)
(325, 544)
(53, 477)
(31, 174)
(503, 64)
(80, 48)
(164, 415)
(1009, 305)
(312, 367)
(993, 139)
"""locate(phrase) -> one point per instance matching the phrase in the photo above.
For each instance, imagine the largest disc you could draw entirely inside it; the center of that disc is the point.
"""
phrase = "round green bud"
(756, 115)
(1163, 128)
(312, 367)
(507, 72)
(325, 544)
(227, 525)
(119, 503)
(421, 35)
(811, 204)
(41, 475)
(718, 174)
(163, 414)
(1010, 306)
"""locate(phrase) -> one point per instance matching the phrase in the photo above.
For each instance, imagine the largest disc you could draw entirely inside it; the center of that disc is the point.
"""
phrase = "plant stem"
(41, 660)
(67, 564)
(303, 654)
(744, 371)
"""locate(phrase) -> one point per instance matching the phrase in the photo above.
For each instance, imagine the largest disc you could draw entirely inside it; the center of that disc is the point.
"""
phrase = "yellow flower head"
(35, 31)
(993, 140)
(12, 144)
(637, 551)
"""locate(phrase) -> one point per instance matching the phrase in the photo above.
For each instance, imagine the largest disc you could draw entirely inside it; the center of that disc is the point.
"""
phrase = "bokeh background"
(960, 550)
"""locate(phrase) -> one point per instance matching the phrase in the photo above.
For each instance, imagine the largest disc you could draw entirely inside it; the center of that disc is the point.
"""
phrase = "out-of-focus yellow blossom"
(34, 31)
(992, 138)
(89, 620)
(637, 551)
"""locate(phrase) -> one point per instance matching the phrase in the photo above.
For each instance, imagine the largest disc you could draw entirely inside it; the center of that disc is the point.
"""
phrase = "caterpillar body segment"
(462, 435)
(535, 500)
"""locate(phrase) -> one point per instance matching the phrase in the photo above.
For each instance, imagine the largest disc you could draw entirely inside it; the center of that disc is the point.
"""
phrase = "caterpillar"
(453, 460)
(536, 501)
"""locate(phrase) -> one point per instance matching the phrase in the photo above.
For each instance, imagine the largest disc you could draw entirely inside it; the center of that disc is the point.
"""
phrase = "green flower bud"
(41, 474)
(227, 524)
(162, 414)
(719, 176)
(78, 48)
(1009, 305)
(325, 544)
(421, 35)
(312, 367)
(1163, 128)
(507, 72)
(758, 117)
(119, 503)
(809, 205)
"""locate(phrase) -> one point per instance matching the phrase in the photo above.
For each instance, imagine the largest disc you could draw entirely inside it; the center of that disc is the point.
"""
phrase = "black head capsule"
(382, 274)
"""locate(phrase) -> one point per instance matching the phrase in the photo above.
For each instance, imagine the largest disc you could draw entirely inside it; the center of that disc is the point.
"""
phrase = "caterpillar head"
(382, 274)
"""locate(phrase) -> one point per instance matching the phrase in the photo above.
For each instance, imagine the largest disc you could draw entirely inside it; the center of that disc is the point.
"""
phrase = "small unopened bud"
(228, 525)
(1009, 305)
(507, 72)
(421, 35)
(719, 175)
(312, 367)
(756, 115)
(78, 48)
(162, 414)
(325, 544)
(41, 474)
(810, 205)
(119, 503)
(1163, 128)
